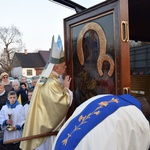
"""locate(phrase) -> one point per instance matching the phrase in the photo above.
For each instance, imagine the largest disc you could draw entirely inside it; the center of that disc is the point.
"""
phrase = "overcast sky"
(38, 20)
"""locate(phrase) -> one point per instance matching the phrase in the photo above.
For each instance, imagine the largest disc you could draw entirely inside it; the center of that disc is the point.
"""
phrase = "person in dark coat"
(21, 94)
(34, 82)
(24, 87)
(3, 95)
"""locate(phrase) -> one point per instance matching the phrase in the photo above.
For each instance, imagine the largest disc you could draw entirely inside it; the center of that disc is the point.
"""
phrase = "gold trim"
(84, 119)
(126, 90)
(102, 54)
(124, 31)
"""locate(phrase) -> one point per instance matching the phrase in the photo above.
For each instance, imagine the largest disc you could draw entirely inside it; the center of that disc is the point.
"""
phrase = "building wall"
(28, 72)
(140, 60)
(140, 70)
(140, 85)
(16, 72)
(19, 71)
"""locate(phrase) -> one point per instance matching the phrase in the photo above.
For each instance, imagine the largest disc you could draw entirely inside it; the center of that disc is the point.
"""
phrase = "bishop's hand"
(67, 81)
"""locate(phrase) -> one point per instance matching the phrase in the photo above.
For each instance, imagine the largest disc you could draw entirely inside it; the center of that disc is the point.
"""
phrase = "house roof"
(32, 60)
(45, 55)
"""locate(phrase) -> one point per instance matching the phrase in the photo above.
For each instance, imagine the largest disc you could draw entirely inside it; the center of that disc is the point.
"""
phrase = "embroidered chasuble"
(42, 114)
(105, 122)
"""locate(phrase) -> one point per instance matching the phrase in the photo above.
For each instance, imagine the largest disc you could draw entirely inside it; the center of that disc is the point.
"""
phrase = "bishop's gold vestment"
(49, 105)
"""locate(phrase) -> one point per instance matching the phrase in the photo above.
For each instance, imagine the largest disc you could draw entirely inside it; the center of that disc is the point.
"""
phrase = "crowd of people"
(15, 98)
(103, 122)
(50, 102)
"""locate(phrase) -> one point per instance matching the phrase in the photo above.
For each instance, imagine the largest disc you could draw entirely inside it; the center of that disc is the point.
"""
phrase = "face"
(23, 79)
(29, 95)
(16, 87)
(5, 78)
(61, 68)
(12, 98)
(92, 35)
(1, 89)
(34, 82)
(23, 86)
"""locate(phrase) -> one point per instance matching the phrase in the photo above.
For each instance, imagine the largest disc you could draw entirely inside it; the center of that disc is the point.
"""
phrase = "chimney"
(25, 52)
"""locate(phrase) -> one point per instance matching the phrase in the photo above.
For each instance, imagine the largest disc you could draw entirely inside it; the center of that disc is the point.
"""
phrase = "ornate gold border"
(102, 51)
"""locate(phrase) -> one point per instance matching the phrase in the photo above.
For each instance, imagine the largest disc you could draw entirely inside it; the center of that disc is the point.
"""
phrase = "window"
(29, 72)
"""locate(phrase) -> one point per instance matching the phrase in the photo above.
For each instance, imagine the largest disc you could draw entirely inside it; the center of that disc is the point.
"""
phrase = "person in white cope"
(105, 122)
(11, 120)
(50, 102)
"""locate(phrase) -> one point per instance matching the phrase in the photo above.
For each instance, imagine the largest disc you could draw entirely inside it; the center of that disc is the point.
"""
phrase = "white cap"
(57, 53)
(56, 57)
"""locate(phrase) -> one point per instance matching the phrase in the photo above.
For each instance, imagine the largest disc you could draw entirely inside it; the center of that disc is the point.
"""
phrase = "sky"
(37, 20)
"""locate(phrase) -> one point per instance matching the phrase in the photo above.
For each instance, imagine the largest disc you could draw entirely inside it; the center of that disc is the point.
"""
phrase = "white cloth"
(16, 118)
(125, 129)
(25, 110)
(47, 145)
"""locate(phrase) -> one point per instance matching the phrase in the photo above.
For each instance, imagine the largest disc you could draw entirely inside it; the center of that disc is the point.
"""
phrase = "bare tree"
(10, 42)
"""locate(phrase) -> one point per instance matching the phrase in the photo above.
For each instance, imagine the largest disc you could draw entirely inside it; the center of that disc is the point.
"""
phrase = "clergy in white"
(105, 122)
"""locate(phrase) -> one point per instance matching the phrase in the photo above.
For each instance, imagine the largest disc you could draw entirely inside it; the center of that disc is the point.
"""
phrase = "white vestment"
(25, 110)
(17, 119)
(125, 129)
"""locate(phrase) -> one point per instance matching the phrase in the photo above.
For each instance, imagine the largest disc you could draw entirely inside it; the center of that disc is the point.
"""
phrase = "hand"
(14, 128)
(67, 81)
(9, 121)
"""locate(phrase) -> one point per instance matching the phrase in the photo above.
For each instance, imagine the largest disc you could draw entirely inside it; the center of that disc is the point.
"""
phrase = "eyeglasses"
(5, 77)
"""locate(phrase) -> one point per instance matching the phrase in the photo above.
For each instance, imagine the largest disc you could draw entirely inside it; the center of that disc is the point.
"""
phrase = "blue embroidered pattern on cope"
(43, 79)
(93, 114)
